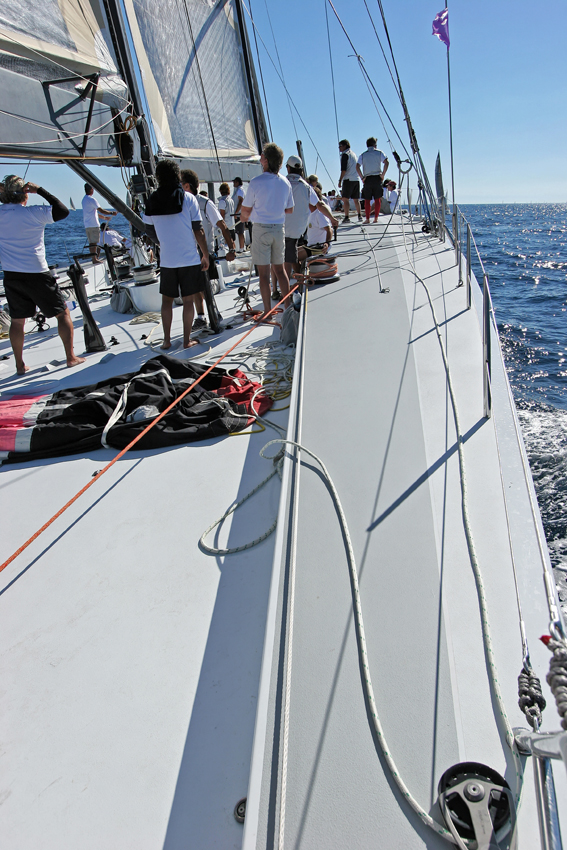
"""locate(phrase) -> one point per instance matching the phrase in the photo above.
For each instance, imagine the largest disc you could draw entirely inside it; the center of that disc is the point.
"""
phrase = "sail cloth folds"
(192, 63)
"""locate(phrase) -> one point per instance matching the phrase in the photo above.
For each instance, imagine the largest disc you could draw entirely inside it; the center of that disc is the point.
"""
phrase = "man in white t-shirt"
(226, 207)
(267, 202)
(92, 211)
(111, 237)
(173, 219)
(348, 180)
(305, 202)
(28, 283)
(211, 219)
(319, 236)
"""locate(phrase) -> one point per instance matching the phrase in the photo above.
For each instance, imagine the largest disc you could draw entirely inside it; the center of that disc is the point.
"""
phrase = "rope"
(136, 439)
(361, 643)
(332, 71)
(261, 74)
(557, 676)
(486, 634)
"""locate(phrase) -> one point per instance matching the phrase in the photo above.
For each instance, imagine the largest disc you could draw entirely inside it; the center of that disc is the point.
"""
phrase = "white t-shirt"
(210, 217)
(177, 244)
(227, 204)
(393, 198)
(372, 161)
(22, 248)
(111, 238)
(90, 211)
(317, 228)
(270, 196)
(238, 193)
(303, 195)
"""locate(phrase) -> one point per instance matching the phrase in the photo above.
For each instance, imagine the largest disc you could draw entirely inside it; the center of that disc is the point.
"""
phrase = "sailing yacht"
(307, 634)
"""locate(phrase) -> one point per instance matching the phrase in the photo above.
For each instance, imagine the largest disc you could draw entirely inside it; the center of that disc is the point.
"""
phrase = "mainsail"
(61, 93)
(197, 78)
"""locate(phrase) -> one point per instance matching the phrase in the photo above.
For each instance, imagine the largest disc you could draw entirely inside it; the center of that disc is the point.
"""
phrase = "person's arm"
(322, 207)
(289, 210)
(359, 172)
(245, 213)
(384, 170)
(238, 209)
(58, 210)
(199, 235)
(227, 238)
(222, 210)
(328, 238)
(344, 166)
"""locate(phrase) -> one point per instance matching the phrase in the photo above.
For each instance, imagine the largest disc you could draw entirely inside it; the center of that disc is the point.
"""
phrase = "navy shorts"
(351, 189)
(373, 187)
(184, 281)
(290, 254)
(27, 291)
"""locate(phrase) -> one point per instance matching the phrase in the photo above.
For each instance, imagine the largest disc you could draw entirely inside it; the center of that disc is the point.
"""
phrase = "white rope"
(486, 634)
(361, 642)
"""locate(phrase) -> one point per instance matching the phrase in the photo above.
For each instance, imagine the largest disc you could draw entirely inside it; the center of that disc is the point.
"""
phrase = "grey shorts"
(93, 235)
(268, 245)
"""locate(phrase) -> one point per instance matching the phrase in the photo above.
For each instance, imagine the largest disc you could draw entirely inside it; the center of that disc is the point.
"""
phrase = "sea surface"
(524, 251)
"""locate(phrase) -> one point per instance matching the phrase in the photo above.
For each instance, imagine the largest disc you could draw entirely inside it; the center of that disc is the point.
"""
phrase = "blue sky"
(508, 73)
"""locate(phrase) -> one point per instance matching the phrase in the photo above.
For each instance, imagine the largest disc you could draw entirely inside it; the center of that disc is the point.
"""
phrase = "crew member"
(211, 218)
(174, 220)
(349, 179)
(371, 168)
(92, 211)
(268, 199)
(27, 279)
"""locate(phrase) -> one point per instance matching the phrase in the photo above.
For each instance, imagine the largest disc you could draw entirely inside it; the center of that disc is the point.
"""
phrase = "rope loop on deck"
(557, 676)
(531, 700)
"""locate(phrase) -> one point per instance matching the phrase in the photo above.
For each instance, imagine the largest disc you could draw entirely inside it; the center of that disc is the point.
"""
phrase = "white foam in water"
(545, 435)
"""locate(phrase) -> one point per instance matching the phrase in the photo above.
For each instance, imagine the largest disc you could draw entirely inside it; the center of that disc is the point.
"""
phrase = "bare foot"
(191, 343)
(165, 345)
(75, 361)
(23, 370)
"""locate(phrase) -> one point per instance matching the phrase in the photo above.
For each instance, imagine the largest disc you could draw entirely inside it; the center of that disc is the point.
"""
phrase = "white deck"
(130, 659)
(137, 690)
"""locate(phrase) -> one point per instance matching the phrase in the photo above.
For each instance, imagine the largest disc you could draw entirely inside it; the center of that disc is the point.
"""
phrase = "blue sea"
(524, 250)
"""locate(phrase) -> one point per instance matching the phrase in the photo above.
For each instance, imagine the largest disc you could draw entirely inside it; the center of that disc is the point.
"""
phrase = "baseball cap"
(294, 162)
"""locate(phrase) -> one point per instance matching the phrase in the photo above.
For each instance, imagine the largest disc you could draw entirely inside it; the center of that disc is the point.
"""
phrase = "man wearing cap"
(305, 202)
(371, 167)
(267, 202)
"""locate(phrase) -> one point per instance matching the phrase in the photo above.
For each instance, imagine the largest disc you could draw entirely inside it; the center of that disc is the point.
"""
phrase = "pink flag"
(441, 27)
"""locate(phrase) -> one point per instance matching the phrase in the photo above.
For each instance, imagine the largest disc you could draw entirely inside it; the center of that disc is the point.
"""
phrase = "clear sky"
(508, 78)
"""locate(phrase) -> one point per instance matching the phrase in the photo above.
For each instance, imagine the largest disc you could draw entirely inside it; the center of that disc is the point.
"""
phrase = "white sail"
(192, 62)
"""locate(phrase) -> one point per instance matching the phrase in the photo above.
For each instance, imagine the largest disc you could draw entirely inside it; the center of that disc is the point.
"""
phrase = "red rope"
(134, 441)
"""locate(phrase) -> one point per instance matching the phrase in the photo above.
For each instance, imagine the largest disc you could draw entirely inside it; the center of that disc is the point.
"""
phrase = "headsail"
(60, 88)
(439, 180)
(197, 79)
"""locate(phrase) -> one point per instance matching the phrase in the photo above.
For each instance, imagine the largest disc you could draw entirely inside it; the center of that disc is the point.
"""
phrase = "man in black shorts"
(349, 179)
(372, 166)
(28, 283)
(173, 219)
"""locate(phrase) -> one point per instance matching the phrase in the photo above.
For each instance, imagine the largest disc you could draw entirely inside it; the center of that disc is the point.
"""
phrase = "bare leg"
(357, 207)
(65, 330)
(166, 318)
(199, 301)
(282, 278)
(188, 321)
(346, 206)
(264, 276)
(17, 342)
(241, 241)
(367, 208)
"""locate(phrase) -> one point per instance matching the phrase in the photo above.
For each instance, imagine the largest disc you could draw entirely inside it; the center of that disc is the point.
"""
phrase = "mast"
(255, 101)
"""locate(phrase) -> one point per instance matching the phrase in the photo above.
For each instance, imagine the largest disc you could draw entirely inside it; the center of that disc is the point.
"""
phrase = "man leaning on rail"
(28, 283)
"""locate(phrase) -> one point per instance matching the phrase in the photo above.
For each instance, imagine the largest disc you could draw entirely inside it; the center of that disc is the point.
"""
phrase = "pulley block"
(478, 807)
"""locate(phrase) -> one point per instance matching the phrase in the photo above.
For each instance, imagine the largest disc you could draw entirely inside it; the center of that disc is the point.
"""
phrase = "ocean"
(524, 250)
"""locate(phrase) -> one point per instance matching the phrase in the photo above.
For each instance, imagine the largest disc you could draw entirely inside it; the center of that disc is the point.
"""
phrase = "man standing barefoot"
(28, 283)
(173, 219)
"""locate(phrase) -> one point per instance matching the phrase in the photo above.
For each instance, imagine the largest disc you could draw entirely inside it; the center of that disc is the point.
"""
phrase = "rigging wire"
(288, 94)
(281, 68)
(261, 74)
(367, 76)
(332, 71)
